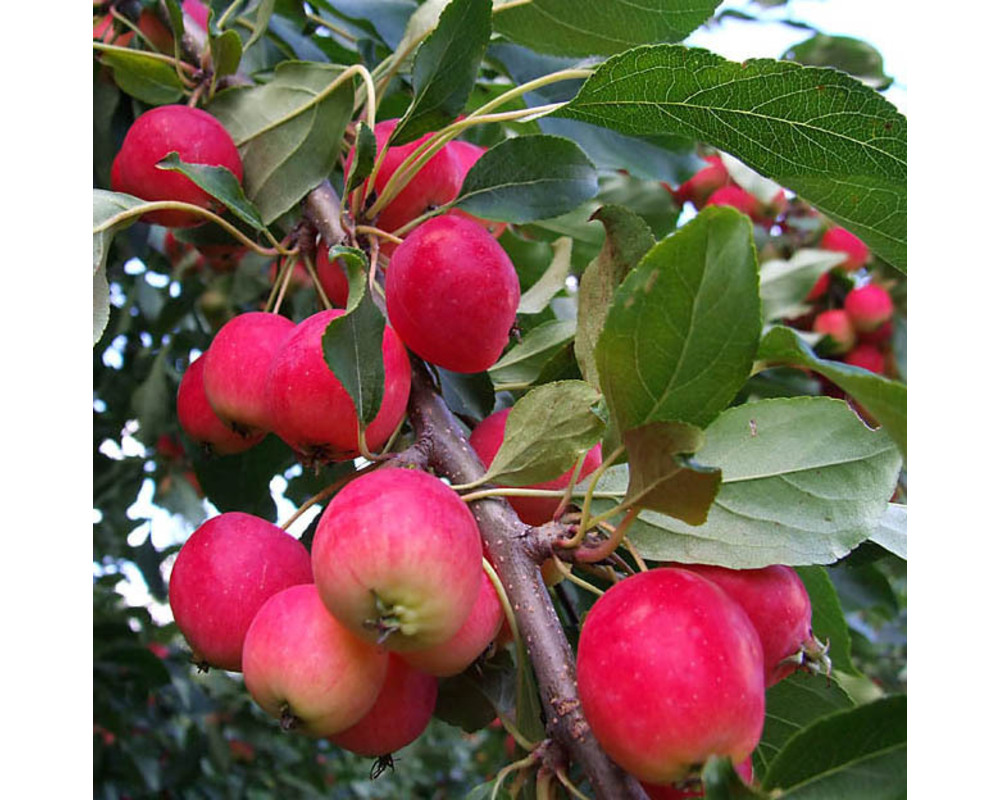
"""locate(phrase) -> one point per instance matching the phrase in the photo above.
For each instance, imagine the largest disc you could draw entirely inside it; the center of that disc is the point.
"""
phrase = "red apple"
(472, 639)
(486, 439)
(398, 559)
(693, 788)
(836, 325)
(201, 423)
(196, 136)
(842, 240)
(104, 31)
(869, 307)
(401, 713)
(881, 335)
(819, 289)
(737, 197)
(452, 294)
(223, 574)
(670, 672)
(312, 411)
(303, 667)
(236, 368)
(700, 186)
(867, 356)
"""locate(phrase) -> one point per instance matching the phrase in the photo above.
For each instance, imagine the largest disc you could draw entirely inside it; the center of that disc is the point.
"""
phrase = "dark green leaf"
(527, 178)
(151, 401)
(850, 55)
(469, 395)
(227, 50)
(819, 132)
(218, 182)
(144, 77)
(828, 623)
(445, 68)
(599, 27)
(529, 709)
(884, 398)
(662, 479)
(524, 363)
(241, 482)
(364, 158)
(679, 340)
(288, 132)
(857, 752)
(627, 239)
(352, 346)
(547, 430)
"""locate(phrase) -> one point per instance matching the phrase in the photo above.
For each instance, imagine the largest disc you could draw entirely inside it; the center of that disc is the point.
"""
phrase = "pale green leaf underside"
(107, 205)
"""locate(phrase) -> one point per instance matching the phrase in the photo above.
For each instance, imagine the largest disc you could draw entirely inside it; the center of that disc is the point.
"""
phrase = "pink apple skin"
(223, 574)
(867, 356)
(401, 713)
(837, 325)
(486, 439)
(200, 422)
(303, 667)
(198, 11)
(842, 240)
(479, 629)
(196, 136)
(670, 671)
(236, 366)
(468, 154)
(869, 307)
(777, 604)
(312, 411)
(398, 559)
(674, 792)
(452, 294)
(737, 197)
(700, 186)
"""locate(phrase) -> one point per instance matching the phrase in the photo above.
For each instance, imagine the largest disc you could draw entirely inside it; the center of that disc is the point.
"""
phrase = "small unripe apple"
(196, 136)
(236, 368)
(452, 294)
(472, 639)
(201, 423)
(398, 559)
(311, 410)
(486, 439)
(869, 307)
(670, 672)
(867, 356)
(842, 240)
(836, 325)
(401, 713)
(700, 186)
(693, 788)
(306, 669)
(223, 574)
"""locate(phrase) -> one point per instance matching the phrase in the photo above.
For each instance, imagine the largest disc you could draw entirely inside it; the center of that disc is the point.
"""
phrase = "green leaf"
(547, 430)
(357, 273)
(680, 337)
(627, 239)
(264, 11)
(445, 68)
(857, 752)
(723, 782)
(218, 182)
(599, 27)
(662, 479)
(527, 178)
(151, 401)
(850, 55)
(832, 140)
(791, 705)
(804, 481)
(785, 284)
(107, 206)
(241, 482)
(524, 363)
(553, 280)
(883, 398)
(828, 623)
(364, 159)
(144, 77)
(891, 530)
(528, 716)
(288, 132)
(227, 50)
(468, 394)
(352, 347)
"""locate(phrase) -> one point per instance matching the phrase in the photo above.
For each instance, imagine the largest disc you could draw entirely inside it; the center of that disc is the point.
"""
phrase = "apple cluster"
(346, 642)
(714, 186)
(673, 664)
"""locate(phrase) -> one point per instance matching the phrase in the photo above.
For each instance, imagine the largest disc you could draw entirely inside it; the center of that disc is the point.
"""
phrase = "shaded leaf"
(144, 77)
(227, 50)
(723, 782)
(264, 10)
(218, 182)
(352, 347)
(524, 363)
(850, 55)
(364, 159)
(467, 394)
(241, 482)
(819, 132)
(107, 206)
(553, 280)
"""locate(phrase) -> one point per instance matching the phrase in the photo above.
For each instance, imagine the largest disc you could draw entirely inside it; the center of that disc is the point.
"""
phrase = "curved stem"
(221, 21)
(568, 784)
(508, 611)
(368, 229)
(524, 88)
(314, 276)
(568, 493)
(640, 563)
(524, 763)
(567, 573)
(585, 511)
(608, 546)
(330, 27)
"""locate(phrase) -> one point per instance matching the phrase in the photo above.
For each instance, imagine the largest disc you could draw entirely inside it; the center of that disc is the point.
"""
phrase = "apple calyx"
(392, 618)
(287, 720)
(812, 656)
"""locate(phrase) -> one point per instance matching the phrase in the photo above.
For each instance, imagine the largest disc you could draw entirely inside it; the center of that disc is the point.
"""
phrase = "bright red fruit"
(312, 411)
(401, 713)
(452, 294)
(670, 672)
(837, 325)
(700, 186)
(398, 558)
(479, 629)
(678, 792)
(842, 240)
(196, 136)
(486, 439)
(306, 669)
(867, 356)
(223, 574)
(332, 277)
(869, 307)
(737, 197)
(236, 367)
(201, 423)
(777, 604)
